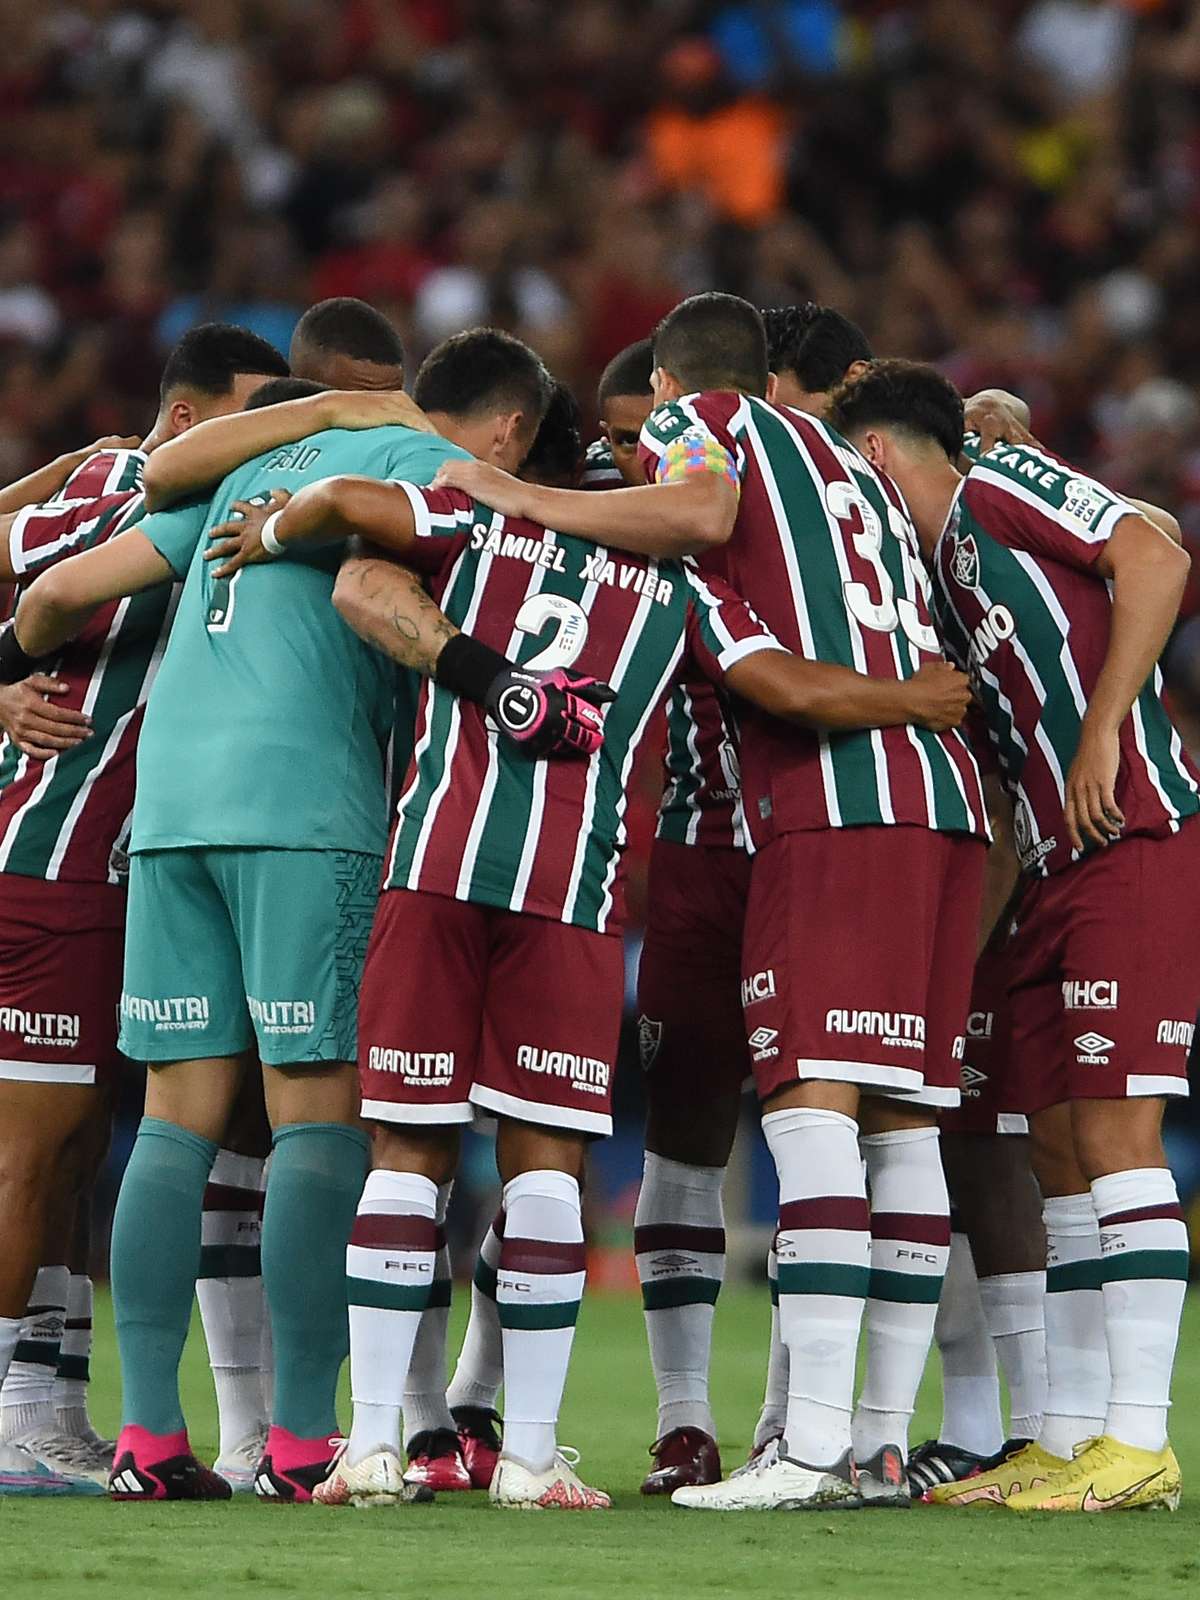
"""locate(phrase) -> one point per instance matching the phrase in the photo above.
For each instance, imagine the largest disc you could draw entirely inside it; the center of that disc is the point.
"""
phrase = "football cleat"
(683, 1456)
(376, 1480)
(23, 1474)
(161, 1467)
(935, 1463)
(762, 1455)
(1107, 1475)
(76, 1424)
(66, 1456)
(781, 1484)
(1027, 1467)
(239, 1466)
(479, 1441)
(291, 1467)
(435, 1459)
(883, 1479)
(517, 1487)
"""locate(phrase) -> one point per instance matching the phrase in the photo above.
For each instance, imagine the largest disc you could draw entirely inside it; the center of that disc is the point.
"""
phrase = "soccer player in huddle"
(821, 546)
(64, 808)
(1058, 595)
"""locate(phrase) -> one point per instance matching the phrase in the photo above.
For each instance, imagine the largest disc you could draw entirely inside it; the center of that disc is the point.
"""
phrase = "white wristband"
(267, 535)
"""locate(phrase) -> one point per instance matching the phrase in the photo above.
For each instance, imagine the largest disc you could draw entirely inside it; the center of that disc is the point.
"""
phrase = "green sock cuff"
(157, 1128)
(291, 1130)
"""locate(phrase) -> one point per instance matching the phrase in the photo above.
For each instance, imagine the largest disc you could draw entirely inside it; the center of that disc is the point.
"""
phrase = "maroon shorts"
(467, 1008)
(690, 1031)
(858, 959)
(61, 947)
(995, 1090)
(1105, 972)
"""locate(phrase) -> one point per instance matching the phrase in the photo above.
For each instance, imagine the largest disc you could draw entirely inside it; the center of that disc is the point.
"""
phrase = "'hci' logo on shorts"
(181, 1013)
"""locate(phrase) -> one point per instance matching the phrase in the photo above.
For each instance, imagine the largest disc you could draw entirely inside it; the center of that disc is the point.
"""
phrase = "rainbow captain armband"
(697, 451)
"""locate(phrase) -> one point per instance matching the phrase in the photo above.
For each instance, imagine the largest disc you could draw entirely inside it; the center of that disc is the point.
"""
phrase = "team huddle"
(322, 709)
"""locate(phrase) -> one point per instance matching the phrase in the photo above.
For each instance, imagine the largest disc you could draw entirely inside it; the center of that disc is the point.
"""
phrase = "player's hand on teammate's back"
(38, 727)
(237, 543)
(991, 415)
(375, 408)
(1090, 801)
(488, 484)
(941, 695)
(550, 713)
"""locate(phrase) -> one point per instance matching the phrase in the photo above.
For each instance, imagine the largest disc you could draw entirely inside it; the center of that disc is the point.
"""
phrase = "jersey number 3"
(887, 613)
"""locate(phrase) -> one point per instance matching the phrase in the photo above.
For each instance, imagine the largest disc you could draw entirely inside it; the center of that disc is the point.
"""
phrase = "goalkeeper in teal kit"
(258, 831)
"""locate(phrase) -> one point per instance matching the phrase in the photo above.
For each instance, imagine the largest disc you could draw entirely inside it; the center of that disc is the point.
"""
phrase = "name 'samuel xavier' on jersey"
(824, 551)
(67, 819)
(476, 819)
(702, 796)
(1023, 609)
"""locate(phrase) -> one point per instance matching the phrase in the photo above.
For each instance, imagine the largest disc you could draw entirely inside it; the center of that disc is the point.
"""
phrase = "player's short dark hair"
(714, 341)
(905, 395)
(344, 326)
(276, 390)
(816, 343)
(483, 370)
(629, 372)
(210, 357)
(556, 455)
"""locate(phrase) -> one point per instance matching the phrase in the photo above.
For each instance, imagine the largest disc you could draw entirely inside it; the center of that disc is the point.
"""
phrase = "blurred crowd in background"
(1009, 189)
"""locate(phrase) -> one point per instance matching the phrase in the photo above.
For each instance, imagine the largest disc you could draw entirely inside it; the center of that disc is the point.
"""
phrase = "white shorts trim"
(47, 1072)
(1011, 1122)
(1140, 1084)
(511, 1105)
(440, 1115)
(938, 1099)
(867, 1074)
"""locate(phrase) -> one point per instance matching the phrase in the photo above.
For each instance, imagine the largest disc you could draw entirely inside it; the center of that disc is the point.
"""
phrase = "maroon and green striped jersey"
(1023, 609)
(477, 820)
(824, 551)
(702, 795)
(66, 818)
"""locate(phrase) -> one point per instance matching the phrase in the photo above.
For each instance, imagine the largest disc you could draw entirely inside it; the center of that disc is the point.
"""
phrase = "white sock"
(389, 1276)
(425, 1407)
(73, 1373)
(910, 1245)
(10, 1333)
(773, 1416)
(479, 1372)
(679, 1242)
(1144, 1257)
(1077, 1371)
(1014, 1307)
(229, 1292)
(538, 1290)
(971, 1417)
(823, 1246)
(27, 1394)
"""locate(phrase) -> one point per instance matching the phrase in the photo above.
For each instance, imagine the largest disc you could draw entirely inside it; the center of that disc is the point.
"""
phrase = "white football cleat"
(780, 1484)
(376, 1480)
(65, 1455)
(517, 1487)
(763, 1455)
(239, 1466)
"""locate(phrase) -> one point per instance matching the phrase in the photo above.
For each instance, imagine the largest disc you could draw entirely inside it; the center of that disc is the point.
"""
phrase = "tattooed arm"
(387, 606)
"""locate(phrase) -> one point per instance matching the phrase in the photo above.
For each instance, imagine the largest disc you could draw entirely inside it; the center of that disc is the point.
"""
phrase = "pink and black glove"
(544, 713)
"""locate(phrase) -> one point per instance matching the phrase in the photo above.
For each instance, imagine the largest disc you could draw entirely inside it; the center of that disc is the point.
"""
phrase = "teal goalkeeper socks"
(315, 1180)
(155, 1260)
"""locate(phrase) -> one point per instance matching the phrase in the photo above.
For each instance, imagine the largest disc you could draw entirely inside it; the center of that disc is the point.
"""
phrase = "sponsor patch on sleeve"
(1085, 502)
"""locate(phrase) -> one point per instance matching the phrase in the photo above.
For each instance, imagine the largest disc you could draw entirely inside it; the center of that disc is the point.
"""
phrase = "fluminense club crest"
(965, 562)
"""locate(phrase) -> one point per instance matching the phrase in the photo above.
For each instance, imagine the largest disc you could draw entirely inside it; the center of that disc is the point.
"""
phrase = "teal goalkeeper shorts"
(230, 949)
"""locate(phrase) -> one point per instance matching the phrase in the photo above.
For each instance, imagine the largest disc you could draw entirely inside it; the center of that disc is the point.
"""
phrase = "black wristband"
(469, 668)
(15, 664)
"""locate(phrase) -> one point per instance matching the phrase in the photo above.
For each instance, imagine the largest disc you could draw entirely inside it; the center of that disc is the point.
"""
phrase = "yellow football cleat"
(1107, 1475)
(1026, 1469)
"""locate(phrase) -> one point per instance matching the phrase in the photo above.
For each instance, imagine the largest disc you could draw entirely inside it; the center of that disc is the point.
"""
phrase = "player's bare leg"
(823, 1246)
(679, 1240)
(910, 1245)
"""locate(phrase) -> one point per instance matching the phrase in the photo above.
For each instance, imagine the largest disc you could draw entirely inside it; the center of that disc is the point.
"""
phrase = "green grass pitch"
(461, 1547)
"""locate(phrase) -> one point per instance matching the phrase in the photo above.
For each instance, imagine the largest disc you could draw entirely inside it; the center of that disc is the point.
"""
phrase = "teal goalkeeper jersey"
(269, 720)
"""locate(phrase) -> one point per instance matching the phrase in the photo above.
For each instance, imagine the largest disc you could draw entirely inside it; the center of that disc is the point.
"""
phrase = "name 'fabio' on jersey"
(1023, 609)
(64, 818)
(824, 551)
(477, 820)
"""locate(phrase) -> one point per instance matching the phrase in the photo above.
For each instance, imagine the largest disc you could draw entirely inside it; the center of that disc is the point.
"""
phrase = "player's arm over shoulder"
(392, 516)
(59, 602)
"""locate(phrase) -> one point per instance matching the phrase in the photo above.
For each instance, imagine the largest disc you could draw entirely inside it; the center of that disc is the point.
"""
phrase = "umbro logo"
(1091, 1047)
(972, 1081)
(762, 1043)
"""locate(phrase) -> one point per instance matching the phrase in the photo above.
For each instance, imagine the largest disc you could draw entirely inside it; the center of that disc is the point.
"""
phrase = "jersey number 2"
(887, 613)
(570, 633)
